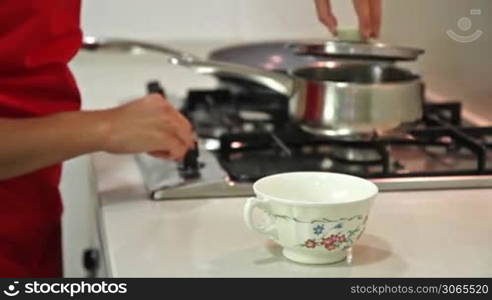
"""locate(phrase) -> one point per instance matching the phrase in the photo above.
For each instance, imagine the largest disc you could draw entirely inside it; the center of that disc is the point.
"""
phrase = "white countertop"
(409, 234)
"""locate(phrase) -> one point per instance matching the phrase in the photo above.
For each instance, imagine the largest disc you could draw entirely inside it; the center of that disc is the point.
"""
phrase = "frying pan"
(333, 98)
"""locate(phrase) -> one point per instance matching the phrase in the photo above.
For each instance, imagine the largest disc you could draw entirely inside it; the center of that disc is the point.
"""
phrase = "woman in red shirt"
(40, 126)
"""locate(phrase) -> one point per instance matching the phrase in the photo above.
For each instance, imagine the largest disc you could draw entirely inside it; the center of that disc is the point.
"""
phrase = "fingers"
(176, 133)
(170, 147)
(167, 155)
(185, 131)
(173, 121)
(181, 134)
(325, 15)
(376, 17)
(369, 13)
(363, 11)
(170, 133)
(150, 124)
(176, 124)
(161, 154)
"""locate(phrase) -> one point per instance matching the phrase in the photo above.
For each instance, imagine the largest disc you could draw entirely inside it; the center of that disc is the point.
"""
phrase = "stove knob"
(190, 166)
(154, 87)
(91, 261)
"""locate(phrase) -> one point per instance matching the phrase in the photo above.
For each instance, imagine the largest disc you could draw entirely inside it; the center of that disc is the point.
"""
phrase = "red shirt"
(37, 40)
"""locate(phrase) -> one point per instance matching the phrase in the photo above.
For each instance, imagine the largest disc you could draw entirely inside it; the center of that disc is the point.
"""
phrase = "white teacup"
(315, 216)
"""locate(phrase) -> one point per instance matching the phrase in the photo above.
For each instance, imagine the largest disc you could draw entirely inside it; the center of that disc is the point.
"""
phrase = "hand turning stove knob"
(189, 168)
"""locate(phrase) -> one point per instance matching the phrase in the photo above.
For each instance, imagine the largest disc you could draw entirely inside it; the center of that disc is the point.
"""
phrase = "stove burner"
(246, 134)
(356, 155)
(254, 116)
(219, 112)
(257, 139)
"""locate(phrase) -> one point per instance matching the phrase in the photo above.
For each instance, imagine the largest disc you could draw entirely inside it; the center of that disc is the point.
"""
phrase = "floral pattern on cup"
(339, 222)
(318, 229)
(331, 234)
(332, 242)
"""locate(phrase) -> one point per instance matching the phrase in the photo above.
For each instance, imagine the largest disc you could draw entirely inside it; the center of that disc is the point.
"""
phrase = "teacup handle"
(266, 229)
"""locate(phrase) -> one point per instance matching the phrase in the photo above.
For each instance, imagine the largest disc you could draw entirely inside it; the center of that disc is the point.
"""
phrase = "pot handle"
(278, 82)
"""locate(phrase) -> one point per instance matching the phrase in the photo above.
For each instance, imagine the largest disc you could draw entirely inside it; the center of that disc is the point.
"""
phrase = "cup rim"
(374, 193)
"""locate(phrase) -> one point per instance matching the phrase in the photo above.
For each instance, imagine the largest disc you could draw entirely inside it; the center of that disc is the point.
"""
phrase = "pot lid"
(357, 50)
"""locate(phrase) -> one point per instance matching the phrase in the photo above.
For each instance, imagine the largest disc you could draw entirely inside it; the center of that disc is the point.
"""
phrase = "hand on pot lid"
(356, 50)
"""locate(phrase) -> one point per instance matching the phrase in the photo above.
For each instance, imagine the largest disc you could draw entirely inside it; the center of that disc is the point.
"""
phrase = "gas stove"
(245, 134)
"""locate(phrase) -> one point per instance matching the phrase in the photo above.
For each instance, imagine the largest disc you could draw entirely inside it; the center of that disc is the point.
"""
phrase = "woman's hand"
(369, 13)
(150, 124)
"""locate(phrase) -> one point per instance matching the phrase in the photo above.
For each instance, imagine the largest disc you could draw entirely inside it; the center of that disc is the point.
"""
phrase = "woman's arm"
(369, 13)
(149, 124)
(31, 144)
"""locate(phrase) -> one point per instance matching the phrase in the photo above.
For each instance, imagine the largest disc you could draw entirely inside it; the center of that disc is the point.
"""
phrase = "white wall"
(208, 19)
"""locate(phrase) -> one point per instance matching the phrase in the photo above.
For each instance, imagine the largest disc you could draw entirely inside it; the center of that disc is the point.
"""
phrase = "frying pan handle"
(278, 82)
(124, 45)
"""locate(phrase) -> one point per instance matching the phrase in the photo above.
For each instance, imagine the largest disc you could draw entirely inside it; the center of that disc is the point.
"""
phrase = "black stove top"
(253, 138)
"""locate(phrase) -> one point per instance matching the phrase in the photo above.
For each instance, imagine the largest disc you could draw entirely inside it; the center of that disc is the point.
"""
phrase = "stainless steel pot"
(327, 98)
(357, 99)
